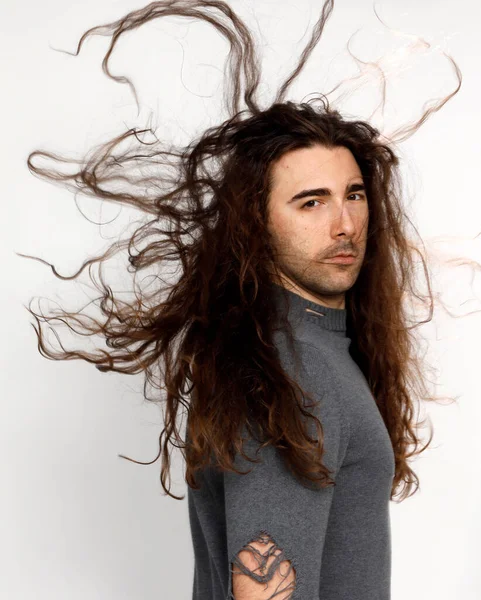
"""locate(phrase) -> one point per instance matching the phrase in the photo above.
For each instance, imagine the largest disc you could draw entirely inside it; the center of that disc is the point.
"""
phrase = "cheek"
(362, 226)
(302, 234)
(363, 218)
(306, 238)
(283, 227)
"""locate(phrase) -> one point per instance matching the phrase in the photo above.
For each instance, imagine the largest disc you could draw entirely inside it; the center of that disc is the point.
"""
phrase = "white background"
(79, 522)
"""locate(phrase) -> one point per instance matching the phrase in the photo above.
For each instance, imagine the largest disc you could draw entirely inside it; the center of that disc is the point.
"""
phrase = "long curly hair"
(204, 341)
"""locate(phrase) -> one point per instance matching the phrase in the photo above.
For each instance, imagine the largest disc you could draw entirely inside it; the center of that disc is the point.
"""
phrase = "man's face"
(307, 231)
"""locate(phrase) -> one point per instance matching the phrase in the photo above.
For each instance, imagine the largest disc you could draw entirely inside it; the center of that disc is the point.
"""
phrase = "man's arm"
(260, 572)
(276, 526)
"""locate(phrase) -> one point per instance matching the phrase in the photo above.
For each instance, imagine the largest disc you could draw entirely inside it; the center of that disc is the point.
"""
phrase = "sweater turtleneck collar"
(331, 319)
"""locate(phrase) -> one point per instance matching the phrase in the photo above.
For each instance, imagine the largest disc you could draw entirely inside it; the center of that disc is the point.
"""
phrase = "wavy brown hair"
(204, 341)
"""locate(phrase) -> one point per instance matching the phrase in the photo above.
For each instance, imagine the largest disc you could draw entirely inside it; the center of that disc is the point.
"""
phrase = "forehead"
(318, 164)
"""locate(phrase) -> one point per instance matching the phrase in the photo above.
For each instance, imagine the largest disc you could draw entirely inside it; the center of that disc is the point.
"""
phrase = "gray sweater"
(337, 538)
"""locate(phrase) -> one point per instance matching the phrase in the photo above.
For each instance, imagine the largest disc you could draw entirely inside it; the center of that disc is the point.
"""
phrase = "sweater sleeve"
(269, 512)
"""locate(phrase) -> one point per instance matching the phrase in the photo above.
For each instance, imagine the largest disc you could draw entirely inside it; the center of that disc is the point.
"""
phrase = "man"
(282, 539)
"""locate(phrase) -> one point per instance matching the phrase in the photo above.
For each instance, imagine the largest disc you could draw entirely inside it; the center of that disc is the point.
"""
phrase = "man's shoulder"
(302, 347)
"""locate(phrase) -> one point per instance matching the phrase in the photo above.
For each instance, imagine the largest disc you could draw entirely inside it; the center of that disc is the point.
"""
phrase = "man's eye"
(361, 197)
(308, 202)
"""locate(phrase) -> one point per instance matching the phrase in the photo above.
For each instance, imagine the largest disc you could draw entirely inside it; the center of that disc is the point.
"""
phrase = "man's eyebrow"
(354, 187)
